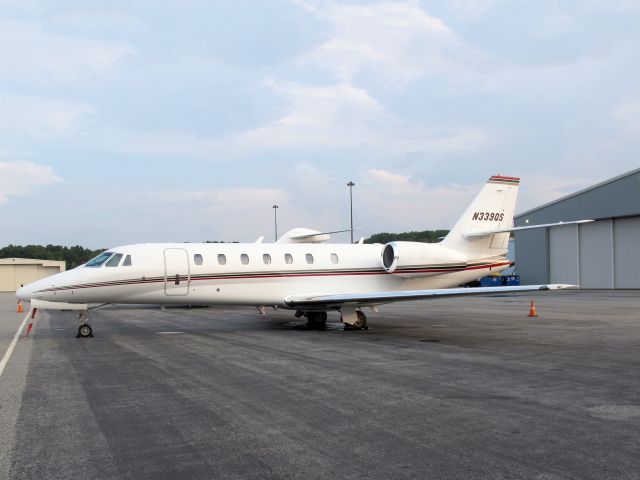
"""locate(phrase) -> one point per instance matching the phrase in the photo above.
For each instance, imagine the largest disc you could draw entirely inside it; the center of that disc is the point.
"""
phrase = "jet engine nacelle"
(415, 259)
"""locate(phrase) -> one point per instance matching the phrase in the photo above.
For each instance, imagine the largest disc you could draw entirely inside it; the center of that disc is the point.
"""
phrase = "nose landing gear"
(84, 330)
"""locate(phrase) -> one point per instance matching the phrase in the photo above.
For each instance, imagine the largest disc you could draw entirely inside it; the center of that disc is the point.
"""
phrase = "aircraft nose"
(24, 293)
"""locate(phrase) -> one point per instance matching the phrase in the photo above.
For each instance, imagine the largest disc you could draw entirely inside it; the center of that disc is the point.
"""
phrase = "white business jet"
(298, 272)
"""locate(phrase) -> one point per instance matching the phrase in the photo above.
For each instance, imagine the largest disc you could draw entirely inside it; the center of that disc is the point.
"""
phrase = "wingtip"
(560, 286)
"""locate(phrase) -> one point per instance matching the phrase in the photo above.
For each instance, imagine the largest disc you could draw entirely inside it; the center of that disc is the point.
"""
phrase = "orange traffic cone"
(20, 307)
(532, 310)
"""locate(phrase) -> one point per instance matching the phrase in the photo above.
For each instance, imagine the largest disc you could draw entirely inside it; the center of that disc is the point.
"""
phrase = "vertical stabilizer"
(493, 208)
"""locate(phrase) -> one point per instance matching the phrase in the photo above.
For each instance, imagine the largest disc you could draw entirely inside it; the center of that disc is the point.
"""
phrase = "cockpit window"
(127, 261)
(99, 260)
(114, 261)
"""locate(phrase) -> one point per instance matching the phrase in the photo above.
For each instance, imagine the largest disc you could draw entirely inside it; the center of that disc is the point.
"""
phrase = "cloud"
(223, 200)
(471, 8)
(40, 116)
(397, 40)
(335, 115)
(537, 189)
(21, 178)
(627, 114)
(397, 202)
(556, 25)
(324, 117)
(393, 41)
(223, 214)
(27, 50)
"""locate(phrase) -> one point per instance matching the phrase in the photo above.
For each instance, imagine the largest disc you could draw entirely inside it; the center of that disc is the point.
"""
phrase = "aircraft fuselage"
(251, 274)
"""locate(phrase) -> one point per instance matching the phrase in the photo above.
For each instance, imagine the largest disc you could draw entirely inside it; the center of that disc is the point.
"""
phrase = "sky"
(150, 121)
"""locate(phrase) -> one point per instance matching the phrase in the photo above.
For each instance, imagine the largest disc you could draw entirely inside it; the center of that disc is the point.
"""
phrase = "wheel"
(84, 331)
(361, 323)
(317, 320)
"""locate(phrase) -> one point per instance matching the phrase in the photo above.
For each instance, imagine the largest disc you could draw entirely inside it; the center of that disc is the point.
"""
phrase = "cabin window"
(267, 259)
(222, 259)
(197, 259)
(288, 258)
(309, 258)
(99, 260)
(244, 258)
(127, 261)
(114, 261)
(334, 258)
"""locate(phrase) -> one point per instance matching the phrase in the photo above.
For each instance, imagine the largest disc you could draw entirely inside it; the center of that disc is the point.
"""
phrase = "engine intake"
(389, 258)
(415, 259)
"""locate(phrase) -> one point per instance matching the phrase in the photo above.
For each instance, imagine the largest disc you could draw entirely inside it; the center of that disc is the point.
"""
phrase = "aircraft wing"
(378, 298)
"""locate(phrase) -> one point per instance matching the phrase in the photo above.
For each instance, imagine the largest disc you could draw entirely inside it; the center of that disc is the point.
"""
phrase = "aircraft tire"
(85, 331)
(317, 320)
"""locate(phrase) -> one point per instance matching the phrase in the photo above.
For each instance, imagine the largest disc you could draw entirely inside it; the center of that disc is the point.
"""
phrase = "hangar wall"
(601, 254)
(21, 271)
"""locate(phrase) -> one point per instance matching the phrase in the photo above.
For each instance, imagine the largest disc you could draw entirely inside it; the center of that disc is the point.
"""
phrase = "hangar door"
(626, 242)
(596, 254)
(563, 254)
(601, 254)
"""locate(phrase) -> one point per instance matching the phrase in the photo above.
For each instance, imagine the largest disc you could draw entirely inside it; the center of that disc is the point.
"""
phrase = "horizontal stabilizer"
(377, 298)
(298, 237)
(306, 235)
(485, 233)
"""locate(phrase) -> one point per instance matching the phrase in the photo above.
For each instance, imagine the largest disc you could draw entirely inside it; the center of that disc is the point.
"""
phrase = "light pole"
(275, 219)
(351, 185)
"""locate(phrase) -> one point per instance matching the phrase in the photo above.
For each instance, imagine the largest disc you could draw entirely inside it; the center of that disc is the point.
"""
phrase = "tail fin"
(493, 208)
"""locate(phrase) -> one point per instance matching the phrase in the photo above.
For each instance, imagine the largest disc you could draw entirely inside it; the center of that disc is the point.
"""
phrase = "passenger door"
(176, 271)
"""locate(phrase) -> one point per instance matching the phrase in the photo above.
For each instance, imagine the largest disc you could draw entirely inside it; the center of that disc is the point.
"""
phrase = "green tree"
(425, 236)
(74, 256)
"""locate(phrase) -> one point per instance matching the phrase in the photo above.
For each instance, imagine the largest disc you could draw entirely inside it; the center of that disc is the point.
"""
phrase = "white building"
(15, 272)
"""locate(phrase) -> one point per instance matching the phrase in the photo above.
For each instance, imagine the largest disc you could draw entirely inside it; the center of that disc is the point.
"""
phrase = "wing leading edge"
(378, 298)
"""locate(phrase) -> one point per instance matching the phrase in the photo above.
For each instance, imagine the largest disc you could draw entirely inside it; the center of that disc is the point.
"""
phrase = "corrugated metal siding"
(532, 263)
(626, 235)
(596, 255)
(605, 254)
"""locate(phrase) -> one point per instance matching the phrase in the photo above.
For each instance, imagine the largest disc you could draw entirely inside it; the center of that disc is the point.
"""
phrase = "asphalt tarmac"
(467, 388)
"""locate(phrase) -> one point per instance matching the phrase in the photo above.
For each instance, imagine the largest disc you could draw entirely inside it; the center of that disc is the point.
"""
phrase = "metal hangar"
(15, 272)
(601, 254)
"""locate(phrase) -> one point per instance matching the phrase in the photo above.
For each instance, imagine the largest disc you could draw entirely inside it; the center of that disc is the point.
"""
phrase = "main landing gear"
(316, 320)
(84, 330)
(360, 322)
(353, 319)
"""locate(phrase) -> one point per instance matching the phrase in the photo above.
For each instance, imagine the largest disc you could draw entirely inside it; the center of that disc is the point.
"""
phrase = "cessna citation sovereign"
(298, 272)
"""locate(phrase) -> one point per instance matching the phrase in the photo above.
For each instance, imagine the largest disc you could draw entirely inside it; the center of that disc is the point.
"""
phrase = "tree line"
(74, 256)
(425, 236)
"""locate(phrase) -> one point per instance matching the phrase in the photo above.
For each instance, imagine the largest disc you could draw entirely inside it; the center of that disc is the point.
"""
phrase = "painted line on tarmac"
(16, 337)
